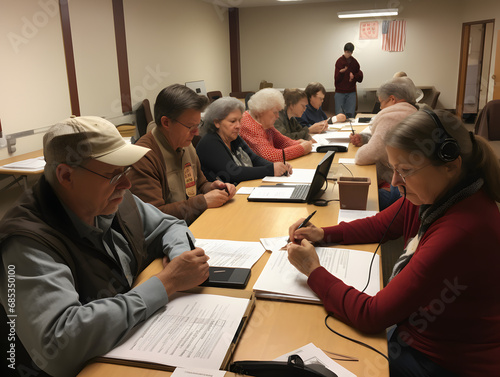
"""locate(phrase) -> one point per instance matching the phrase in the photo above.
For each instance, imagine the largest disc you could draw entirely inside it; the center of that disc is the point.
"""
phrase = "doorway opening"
(474, 72)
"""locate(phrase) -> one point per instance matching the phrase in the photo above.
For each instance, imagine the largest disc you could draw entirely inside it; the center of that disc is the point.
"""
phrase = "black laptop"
(285, 193)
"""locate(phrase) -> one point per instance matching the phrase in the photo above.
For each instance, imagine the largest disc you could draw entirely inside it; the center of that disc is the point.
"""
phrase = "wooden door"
(496, 75)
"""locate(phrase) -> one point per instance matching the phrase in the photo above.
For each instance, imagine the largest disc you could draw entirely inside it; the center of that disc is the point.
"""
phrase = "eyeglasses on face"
(114, 179)
(405, 173)
(190, 128)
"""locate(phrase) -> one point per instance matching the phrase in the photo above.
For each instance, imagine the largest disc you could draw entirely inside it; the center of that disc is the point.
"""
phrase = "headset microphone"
(447, 148)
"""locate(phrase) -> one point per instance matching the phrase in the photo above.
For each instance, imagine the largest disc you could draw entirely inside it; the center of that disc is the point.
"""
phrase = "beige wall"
(94, 46)
(168, 41)
(177, 41)
(33, 83)
(295, 44)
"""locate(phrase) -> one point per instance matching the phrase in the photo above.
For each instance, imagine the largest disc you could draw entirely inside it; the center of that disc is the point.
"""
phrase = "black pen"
(191, 244)
(284, 161)
(225, 187)
(350, 123)
(306, 220)
(303, 223)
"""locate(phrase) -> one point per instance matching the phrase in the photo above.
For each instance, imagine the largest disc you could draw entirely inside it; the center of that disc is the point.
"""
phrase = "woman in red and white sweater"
(257, 128)
(444, 292)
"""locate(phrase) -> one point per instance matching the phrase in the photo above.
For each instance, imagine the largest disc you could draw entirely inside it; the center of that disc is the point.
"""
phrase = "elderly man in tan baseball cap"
(77, 241)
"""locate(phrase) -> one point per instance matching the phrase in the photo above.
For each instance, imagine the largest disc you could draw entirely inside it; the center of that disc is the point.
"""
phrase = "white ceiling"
(263, 3)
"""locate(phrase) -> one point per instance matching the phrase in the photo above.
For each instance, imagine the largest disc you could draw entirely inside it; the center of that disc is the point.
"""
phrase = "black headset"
(447, 148)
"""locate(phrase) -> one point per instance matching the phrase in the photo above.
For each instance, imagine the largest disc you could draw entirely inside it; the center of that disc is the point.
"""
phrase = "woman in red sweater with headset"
(444, 292)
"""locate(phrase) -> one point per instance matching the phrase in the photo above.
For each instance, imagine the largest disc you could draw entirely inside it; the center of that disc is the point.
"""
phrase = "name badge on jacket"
(189, 180)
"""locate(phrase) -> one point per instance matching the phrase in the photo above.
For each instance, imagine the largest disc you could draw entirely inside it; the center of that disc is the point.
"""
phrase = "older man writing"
(77, 240)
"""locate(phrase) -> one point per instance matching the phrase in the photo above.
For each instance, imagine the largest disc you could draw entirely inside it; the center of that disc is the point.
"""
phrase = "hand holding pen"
(349, 119)
(284, 162)
(300, 230)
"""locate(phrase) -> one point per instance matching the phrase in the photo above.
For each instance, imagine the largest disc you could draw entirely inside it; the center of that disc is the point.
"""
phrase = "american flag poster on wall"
(393, 35)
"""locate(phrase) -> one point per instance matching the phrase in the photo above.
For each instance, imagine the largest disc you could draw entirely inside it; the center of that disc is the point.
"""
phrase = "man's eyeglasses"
(190, 128)
(405, 172)
(114, 179)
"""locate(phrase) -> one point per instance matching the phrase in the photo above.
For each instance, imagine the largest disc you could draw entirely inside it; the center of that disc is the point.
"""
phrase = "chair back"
(143, 117)
(488, 122)
(264, 84)
(431, 97)
(212, 96)
(240, 95)
(328, 105)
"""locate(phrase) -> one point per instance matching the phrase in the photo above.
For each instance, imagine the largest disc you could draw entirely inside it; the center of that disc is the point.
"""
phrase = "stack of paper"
(348, 215)
(298, 176)
(192, 330)
(231, 253)
(32, 164)
(332, 138)
(280, 280)
(310, 354)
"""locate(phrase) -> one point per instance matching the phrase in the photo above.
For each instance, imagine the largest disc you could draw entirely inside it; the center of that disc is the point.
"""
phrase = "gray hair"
(219, 110)
(402, 88)
(264, 100)
(419, 136)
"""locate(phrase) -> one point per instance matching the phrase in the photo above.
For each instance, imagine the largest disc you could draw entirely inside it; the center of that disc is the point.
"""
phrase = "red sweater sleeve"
(439, 275)
(268, 144)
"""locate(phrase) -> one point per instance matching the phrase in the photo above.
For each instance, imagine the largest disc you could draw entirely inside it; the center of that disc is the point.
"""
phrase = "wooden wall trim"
(462, 69)
(70, 57)
(234, 49)
(121, 54)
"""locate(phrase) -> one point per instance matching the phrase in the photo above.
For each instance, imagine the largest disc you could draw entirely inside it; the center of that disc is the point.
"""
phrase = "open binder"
(126, 352)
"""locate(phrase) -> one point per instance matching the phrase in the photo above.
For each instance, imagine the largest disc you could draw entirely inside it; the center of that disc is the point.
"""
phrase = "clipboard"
(229, 353)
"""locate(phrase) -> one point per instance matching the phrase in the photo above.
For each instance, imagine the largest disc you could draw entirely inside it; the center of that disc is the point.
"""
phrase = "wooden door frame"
(462, 70)
(496, 72)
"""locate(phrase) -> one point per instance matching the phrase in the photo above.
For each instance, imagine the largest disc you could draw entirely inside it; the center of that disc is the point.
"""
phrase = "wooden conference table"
(278, 327)
(22, 175)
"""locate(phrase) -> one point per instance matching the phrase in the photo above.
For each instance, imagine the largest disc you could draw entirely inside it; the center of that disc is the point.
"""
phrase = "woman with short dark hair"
(295, 105)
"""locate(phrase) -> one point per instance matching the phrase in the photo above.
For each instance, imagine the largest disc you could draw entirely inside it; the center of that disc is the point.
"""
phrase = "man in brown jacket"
(169, 176)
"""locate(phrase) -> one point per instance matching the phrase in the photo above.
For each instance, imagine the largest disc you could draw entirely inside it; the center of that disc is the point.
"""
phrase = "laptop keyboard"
(300, 192)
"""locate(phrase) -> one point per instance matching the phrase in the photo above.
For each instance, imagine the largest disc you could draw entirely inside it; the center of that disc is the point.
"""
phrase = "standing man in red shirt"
(347, 73)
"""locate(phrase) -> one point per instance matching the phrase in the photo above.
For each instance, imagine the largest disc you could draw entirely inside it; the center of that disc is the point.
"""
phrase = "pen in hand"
(225, 187)
(350, 122)
(284, 162)
(190, 241)
(304, 223)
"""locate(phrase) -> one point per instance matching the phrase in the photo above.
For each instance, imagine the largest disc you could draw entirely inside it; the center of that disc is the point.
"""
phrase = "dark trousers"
(405, 361)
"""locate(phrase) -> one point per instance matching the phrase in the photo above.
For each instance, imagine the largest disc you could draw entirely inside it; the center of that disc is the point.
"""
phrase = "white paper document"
(279, 279)
(194, 372)
(192, 330)
(298, 176)
(274, 243)
(224, 253)
(351, 214)
(245, 190)
(341, 125)
(328, 139)
(273, 192)
(310, 354)
(336, 137)
(31, 164)
(347, 161)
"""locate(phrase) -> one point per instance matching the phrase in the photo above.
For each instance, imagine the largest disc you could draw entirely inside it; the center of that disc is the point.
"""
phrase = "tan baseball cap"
(75, 139)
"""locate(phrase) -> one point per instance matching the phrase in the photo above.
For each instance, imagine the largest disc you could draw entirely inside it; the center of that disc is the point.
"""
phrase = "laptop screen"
(320, 175)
